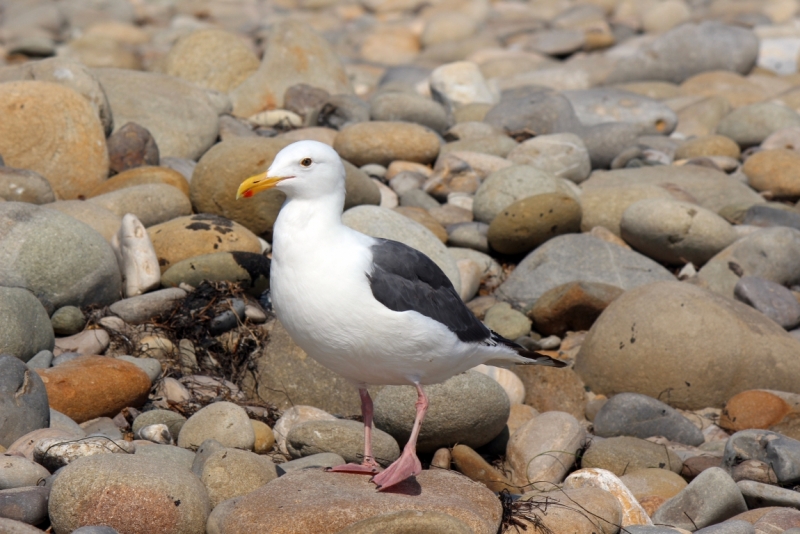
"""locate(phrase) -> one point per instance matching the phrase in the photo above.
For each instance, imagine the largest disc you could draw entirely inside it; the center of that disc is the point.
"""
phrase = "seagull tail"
(528, 357)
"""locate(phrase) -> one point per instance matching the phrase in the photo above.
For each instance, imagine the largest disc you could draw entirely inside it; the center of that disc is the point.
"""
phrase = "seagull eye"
(305, 162)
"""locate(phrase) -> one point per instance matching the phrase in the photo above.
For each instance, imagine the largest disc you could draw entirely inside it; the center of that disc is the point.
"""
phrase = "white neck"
(301, 219)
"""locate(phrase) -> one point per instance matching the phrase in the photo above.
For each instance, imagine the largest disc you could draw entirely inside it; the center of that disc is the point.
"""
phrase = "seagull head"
(306, 169)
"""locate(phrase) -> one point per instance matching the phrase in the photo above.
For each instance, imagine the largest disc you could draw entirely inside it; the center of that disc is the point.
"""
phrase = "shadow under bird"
(375, 311)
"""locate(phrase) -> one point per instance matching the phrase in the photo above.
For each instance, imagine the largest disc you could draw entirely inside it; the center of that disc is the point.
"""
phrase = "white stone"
(509, 381)
(471, 274)
(632, 511)
(158, 433)
(136, 256)
(389, 198)
(462, 83)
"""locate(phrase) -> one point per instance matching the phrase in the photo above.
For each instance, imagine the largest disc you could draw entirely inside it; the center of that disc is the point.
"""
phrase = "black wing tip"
(539, 358)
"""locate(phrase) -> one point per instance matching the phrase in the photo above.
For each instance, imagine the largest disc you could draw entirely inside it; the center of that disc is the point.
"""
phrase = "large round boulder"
(26, 324)
(62, 260)
(52, 130)
(686, 346)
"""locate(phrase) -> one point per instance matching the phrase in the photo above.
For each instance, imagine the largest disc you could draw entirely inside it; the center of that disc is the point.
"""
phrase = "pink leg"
(408, 464)
(368, 466)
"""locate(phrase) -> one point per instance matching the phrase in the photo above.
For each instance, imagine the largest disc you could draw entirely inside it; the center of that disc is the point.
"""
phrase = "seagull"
(375, 311)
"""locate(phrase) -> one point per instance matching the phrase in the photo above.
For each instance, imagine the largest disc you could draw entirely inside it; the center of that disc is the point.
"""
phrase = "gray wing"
(405, 279)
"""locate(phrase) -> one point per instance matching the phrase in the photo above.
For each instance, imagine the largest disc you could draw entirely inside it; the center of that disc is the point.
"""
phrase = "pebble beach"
(614, 183)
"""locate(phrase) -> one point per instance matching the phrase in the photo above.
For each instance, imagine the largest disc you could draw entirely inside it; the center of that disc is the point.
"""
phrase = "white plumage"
(323, 289)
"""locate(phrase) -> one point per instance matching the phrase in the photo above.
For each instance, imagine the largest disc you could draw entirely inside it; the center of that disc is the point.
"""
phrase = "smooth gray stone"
(606, 141)
(633, 414)
(794, 530)
(95, 530)
(60, 259)
(541, 112)
(734, 526)
(760, 495)
(28, 504)
(342, 110)
(315, 461)
(136, 310)
(687, 50)
(766, 216)
(577, 257)
(772, 299)
(102, 426)
(601, 105)
(64, 357)
(171, 453)
(173, 420)
(710, 498)
(751, 125)
(776, 450)
(473, 235)
(23, 400)
(63, 422)
(343, 437)
(42, 360)
(26, 328)
(417, 198)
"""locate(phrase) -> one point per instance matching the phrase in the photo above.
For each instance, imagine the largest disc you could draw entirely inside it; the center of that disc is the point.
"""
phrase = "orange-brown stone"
(753, 409)
(143, 175)
(94, 386)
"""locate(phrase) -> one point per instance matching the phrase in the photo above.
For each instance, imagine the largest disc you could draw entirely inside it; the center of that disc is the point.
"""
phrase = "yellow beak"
(258, 183)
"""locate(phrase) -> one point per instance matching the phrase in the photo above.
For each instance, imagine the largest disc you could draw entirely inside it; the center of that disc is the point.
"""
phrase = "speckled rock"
(229, 473)
(178, 114)
(105, 222)
(86, 271)
(632, 414)
(20, 185)
(543, 450)
(628, 454)
(572, 306)
(581, 510)
(750, 125)
(141, 491)
(314, 494)
(455, 415)
(570, 258)
(774, 171)
(383, 142)
(211, 58)
(428, 522)
(635, 347)
(295, 54)
(345, 438)
(602, 105)
(504, 187)
(675, 232)
(529, 222)
(20, 472)
(223, 421)
(52, 130)
(193, 235)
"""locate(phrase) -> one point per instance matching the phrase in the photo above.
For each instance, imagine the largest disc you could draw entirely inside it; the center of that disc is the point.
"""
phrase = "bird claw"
(406, 466)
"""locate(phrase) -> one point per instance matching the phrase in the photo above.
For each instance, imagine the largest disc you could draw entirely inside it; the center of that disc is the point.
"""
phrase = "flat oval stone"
(20, 185)
(28, 505)
(156, 495)
(750, 125)
(151, 203)
(627, 454)
(409, 107)
(229, 473)
(345, 438)
(563, 155)
(94, 386)
(383, 142)
(20, 472)
(145, 174)
(224, 421)
(773, 171)
(300, 501)
(529, 222)
(632, 414)
(469, 408)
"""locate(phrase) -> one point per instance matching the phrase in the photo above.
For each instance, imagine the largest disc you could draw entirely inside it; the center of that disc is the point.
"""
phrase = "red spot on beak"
(247, 194)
